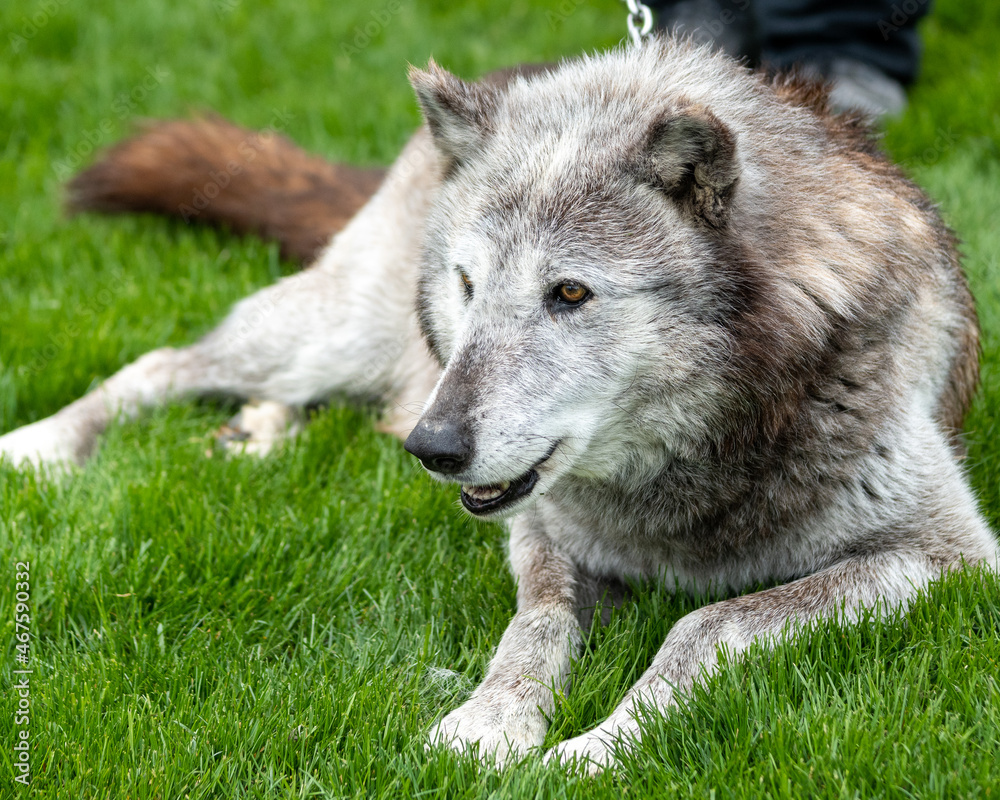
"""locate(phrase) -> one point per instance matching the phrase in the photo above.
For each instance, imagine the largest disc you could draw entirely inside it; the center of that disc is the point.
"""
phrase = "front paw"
(591, 752)
(504, 732)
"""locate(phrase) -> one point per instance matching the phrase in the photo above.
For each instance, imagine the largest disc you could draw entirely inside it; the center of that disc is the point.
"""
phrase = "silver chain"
(639, 20)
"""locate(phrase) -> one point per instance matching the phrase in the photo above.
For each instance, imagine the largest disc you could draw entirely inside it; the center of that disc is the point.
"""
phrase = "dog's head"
(570, 285)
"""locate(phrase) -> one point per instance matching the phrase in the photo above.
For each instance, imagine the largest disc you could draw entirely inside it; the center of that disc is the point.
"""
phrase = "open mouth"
(487, 499)
(481, 500)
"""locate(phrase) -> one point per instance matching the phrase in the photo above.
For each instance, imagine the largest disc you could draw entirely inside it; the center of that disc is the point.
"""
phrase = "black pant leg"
(878, 32)
(781, 33)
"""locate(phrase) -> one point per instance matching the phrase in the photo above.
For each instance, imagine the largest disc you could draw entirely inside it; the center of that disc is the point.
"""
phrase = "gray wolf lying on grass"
(669, 318)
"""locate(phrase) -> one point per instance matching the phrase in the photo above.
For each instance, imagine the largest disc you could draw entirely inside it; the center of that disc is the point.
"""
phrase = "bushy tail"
(212, 171)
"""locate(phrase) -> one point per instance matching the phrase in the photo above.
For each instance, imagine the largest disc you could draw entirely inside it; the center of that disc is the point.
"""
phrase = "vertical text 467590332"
(21, 688)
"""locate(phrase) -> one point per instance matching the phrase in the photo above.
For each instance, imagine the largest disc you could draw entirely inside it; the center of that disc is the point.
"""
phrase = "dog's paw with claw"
(259, 427)
(43, 444)
(502, 735)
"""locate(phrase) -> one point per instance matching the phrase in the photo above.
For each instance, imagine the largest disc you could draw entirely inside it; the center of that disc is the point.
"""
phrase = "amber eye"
(466, 283)
(571, 294)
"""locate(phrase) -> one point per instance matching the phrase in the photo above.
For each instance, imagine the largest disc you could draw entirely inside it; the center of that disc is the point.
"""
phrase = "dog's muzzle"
(444, 448)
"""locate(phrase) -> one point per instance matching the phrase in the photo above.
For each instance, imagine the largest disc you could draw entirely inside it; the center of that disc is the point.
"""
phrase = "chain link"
(639, 21)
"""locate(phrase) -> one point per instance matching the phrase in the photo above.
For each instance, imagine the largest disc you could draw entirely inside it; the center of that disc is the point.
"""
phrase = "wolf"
(672, 320)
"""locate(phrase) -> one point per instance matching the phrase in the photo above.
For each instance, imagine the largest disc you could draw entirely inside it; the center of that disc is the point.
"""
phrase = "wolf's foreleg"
(259, 350)
(885, 582)
(507, 714)
(294, 342)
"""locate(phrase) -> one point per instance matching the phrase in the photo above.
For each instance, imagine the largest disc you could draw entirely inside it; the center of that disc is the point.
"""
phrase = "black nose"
(441, 446)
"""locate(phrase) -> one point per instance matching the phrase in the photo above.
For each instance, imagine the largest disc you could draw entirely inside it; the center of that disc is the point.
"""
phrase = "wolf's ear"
(691, 155)
(457, 112)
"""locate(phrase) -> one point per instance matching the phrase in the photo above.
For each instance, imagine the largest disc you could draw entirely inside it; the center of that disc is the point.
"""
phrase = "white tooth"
(485, 493)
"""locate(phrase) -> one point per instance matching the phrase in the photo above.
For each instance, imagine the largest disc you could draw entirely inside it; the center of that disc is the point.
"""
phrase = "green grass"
(206, 627)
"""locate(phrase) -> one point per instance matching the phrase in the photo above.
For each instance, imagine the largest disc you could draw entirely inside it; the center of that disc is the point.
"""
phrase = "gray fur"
(765, 385)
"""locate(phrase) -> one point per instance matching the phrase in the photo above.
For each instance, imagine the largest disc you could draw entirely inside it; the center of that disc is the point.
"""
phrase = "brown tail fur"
(212, 171)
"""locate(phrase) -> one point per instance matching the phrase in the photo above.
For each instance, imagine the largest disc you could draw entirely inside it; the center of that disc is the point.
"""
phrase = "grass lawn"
(289, 627)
